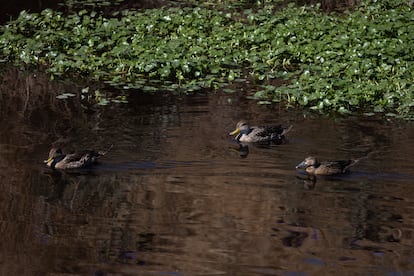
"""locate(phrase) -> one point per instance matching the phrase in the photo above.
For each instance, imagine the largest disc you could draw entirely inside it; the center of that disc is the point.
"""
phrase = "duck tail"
(286, 130)
(353, 162)
(363, 157)
(346, 164)
(105, 152)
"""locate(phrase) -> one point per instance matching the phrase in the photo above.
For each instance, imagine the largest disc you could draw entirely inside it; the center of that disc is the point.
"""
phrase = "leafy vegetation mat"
(362, 60)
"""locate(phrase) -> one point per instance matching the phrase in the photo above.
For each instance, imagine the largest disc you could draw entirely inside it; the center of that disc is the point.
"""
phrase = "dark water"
(175, 197)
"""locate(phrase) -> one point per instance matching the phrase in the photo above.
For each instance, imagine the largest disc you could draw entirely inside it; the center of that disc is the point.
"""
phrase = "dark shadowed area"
(10, 9)
(176, 196)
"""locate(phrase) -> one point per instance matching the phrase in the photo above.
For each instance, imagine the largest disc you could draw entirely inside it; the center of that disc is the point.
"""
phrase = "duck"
(253, 134)
(312, 166)
(58, 160)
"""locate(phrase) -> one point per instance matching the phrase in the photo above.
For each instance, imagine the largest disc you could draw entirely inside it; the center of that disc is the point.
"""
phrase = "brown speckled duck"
(253, 134)
(313, 167)
(58, 160)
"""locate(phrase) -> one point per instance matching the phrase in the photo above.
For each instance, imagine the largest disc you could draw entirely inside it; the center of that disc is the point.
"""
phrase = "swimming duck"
(248, 134)
(314, 167)
(58, 160)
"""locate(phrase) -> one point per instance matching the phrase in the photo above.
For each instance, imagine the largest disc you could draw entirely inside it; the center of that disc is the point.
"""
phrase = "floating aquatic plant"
(360, 60)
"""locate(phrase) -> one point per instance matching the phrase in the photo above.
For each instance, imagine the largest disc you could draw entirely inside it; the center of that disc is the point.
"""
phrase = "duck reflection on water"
(309, 181)
(243, 150)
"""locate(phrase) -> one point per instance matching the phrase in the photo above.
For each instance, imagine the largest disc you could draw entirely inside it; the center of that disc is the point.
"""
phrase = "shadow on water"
(176, 196)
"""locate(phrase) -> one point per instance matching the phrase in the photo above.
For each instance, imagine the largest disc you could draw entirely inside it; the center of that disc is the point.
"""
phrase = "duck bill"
(48, 160)
(301, 165)
(235, 132)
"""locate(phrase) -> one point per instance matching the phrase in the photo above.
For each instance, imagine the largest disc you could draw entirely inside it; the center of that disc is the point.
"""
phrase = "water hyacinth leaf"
(260, 94)
(229, 90)
(103, 101)
(65, 96)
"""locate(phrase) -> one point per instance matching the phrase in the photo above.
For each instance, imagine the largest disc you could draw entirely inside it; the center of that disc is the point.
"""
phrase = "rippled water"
(176, 196)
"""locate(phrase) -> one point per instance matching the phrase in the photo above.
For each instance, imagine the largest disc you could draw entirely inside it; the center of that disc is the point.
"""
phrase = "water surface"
(177, 196)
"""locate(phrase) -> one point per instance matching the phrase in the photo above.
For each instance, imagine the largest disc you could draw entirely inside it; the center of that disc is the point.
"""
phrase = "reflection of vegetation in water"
(72, 4)
(33, 116)
(362, 60)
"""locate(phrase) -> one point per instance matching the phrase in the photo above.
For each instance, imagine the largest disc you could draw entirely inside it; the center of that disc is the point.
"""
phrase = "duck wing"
(72, 157)
(269, 131)
(257, 135)
(337, 166)
(83, 156)
(276, 134)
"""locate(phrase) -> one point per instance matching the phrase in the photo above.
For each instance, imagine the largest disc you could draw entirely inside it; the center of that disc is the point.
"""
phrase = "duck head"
(242, 127)
(55, 155)
(308, 162)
